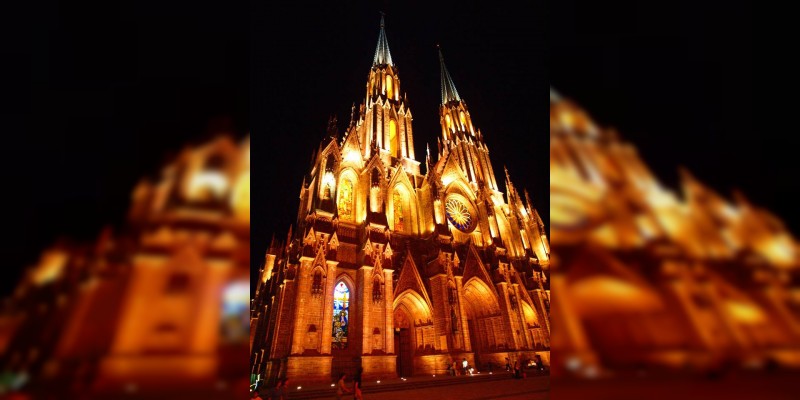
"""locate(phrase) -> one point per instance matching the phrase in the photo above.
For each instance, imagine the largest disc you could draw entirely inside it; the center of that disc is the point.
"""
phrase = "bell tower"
(461, 136)
(386, 116)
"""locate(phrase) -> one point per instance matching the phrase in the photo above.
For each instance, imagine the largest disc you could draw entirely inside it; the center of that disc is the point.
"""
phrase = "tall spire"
(382, 54)
(449, 92)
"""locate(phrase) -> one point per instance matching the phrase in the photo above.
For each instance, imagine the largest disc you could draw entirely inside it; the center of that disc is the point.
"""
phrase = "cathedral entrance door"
(404, 351)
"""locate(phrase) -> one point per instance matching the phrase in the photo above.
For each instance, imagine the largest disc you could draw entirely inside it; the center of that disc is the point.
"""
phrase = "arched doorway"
(412, 315)
(486, 327)
(402, 343)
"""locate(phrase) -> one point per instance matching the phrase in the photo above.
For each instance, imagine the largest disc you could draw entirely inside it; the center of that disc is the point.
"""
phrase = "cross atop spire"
(382, 54)
(449, 92)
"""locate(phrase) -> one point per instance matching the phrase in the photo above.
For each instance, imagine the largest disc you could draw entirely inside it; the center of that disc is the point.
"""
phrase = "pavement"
(497, 385)
(782, 385)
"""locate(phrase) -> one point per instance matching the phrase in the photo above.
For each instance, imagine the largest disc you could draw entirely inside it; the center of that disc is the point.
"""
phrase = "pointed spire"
(382, 54)
(332, 129)
(449, 92)
(428, 153)
(352, 116)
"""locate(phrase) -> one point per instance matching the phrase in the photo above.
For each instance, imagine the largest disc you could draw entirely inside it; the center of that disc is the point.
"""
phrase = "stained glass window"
(341, 309)
(346, 201)
(458, 215)
(398, 212)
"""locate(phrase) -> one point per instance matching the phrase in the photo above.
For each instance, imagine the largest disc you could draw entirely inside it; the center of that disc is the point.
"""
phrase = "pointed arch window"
(463, 119)
(399, 218)
(341, 310)
(394, 139)
(375, 192)
(346, 201)
(454, 319)
(389, 88)
(448, 122)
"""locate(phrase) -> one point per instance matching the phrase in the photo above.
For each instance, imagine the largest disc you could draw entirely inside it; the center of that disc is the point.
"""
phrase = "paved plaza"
(483, 386)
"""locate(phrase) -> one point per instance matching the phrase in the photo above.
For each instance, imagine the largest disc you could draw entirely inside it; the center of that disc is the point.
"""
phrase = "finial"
(449, 92)
(382, 15)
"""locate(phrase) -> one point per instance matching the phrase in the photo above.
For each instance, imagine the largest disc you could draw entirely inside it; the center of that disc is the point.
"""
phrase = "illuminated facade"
(649, 278)
(161, 304)
(395, 270)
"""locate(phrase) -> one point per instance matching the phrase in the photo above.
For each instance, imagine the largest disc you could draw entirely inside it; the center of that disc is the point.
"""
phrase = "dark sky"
(95, 96)
(309, 63)
(689, 83)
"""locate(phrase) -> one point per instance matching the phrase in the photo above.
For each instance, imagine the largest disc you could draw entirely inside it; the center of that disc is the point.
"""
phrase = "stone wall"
(309, 369)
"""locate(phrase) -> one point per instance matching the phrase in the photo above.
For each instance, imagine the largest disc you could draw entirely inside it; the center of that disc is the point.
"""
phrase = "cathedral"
(648, 276)
(400, 266)
(158, 305)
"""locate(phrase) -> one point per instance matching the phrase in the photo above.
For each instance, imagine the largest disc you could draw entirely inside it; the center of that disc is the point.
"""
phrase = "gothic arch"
(343, 277)
(400, 200)
(459, 186)
(348, 193)
(479, 299)
(400, 183)
(342, 312)
(529, 314)
(414, 305)
(484, 320)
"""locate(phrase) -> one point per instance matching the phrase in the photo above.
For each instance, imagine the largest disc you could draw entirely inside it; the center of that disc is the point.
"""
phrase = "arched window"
(341, 311)
(316, 282)
(454, 319)
(389, 92)
(375, 191)
(463, 120)
(394, 139)
(328, 181)
(399, 218)
(346, 201)
(448, 121)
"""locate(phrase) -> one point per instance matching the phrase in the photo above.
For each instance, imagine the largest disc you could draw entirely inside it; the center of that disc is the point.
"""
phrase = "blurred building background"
(648, 277)
(158, 306)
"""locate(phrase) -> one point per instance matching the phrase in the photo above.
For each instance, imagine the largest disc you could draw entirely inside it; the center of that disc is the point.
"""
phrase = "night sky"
(691, 84)
(310, 63)
(96, 96)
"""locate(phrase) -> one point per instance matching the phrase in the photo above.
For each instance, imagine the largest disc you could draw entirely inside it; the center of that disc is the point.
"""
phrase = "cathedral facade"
(650, 276)
(397, 267)
(158, 305)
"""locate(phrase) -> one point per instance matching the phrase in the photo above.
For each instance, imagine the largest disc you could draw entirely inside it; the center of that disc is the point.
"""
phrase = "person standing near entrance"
(455, 368)
(357, 384)
(539, 362)
(341, 387)
(464, 364)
